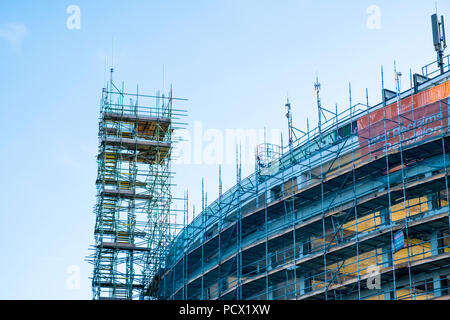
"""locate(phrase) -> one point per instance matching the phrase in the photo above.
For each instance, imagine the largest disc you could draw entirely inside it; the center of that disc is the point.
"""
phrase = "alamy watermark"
(73, 280)
(216, 146)
(73, 21)
(374, 17)
(374, 279)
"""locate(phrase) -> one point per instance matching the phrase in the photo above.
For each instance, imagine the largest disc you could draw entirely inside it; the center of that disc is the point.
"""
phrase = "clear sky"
(236, 61)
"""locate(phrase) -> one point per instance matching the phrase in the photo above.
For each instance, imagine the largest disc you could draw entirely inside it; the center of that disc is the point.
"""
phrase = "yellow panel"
(414, 206)
(350, 267)
(403, 294)
(418, 250)
(365, 223)
(317, 284)
(442, 195)
(345, 162)
(316, 243)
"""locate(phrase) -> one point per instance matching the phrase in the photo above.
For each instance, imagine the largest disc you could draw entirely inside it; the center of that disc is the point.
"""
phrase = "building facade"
(355, 209)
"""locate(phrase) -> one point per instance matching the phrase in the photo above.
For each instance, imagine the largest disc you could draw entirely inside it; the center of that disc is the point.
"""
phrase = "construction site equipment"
(135, 218)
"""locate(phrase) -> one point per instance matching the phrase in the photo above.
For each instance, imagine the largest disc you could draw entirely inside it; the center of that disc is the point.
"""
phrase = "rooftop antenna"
(112, 52)
(439, 41)
(317, 89)
(350, 98)
(111, 71)
(203, 194)
(321, 110)
(281, 140)
(186, 209)
(112, 65)
(289, 117)
(105, 70)
(398, 82)
(220, 181)
(265, 140)
(238, 163)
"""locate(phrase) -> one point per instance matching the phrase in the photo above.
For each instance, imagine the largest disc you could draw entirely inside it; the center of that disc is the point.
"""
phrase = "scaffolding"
(357, 208)
(135, 215)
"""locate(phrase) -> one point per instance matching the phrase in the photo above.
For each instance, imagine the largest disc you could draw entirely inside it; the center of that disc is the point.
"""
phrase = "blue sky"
(234, 60)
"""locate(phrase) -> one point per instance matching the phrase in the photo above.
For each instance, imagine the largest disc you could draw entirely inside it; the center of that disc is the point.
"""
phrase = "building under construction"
(357, 208)
(135, 218)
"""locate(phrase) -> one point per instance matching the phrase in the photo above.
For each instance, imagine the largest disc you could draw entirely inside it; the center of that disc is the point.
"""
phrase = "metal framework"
(324, 218)
(135, 218)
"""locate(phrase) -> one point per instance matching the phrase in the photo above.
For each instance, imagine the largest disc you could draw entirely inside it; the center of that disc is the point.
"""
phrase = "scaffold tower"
(134, 216)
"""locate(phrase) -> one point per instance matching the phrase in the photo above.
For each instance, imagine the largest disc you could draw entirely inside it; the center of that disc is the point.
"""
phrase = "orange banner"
(383, 129)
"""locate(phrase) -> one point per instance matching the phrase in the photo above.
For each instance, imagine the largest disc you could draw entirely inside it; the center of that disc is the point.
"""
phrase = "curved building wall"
(360, 211)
